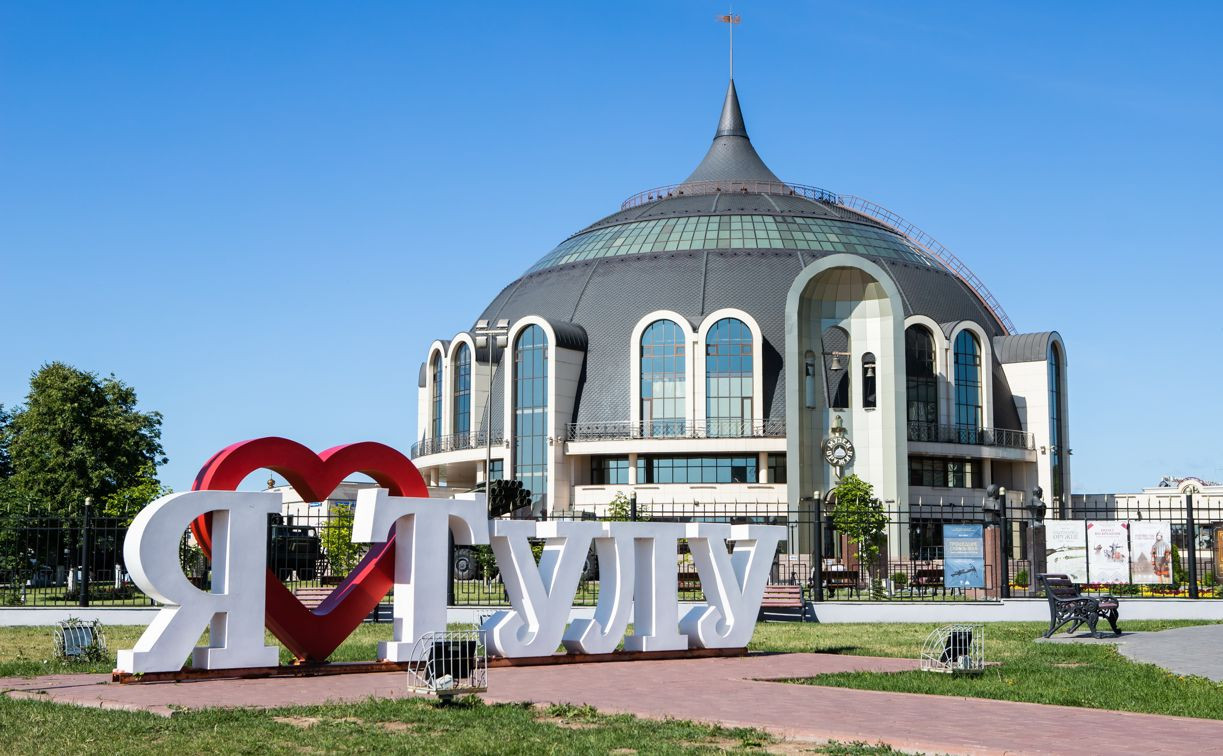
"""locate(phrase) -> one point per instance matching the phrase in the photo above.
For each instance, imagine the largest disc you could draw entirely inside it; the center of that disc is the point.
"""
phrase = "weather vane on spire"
(730, 19)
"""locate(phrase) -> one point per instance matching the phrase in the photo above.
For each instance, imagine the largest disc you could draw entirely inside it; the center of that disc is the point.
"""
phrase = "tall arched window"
(462, 389)
(728, 378)
(662, 379)
(1055, 420)
(436, 419)
(921, 382)
(531, 410)
(967, 386)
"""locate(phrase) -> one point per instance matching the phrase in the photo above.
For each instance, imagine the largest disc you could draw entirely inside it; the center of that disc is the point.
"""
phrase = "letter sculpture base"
(364, 668)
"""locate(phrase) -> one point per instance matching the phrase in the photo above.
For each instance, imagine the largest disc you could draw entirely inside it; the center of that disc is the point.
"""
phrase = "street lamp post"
(490, 336)
(84, 586)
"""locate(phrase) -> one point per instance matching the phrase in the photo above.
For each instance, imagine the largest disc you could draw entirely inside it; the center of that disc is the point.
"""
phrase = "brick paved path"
(726, 691)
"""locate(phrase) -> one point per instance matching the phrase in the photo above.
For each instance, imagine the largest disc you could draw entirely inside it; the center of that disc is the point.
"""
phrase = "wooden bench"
(836, 579)
(1067, 605)
(784, 597)
(927, 578)
(689, 582)
(311, 597)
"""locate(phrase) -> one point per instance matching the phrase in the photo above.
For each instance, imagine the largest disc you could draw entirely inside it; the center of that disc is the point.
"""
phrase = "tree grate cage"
(448, 664)
(80, 640)
(954, 649)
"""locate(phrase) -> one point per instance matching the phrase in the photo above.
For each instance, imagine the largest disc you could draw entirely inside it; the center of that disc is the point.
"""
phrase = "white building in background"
(695, 348)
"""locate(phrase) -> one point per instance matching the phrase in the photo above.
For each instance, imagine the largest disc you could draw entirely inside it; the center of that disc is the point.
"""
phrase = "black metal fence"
(310, 549)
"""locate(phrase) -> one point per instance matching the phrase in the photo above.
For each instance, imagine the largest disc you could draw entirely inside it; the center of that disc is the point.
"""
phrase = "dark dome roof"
(730, 236)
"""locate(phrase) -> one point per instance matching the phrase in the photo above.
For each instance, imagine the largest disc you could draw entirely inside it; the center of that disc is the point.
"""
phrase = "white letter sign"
(540, 594)
(235, 606)
(733, 583)
(421, 551)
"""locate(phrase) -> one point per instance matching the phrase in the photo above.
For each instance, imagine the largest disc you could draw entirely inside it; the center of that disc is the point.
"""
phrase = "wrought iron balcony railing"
(965, 434)
(454, 442)
(677, 429)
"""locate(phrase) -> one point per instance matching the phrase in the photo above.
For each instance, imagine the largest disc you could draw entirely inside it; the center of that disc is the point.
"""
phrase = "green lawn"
(1090, 675)
(406, 726)
(1070, 674)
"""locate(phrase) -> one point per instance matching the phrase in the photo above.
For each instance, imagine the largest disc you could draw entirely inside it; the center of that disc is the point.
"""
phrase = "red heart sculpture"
(313, 635)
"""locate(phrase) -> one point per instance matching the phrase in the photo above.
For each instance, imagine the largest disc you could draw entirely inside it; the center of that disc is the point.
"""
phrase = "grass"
(402, 726)
(1094, 676)
(1071, 674)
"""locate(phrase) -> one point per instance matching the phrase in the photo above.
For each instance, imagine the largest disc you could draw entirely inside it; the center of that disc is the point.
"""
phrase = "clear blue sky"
(260, 214)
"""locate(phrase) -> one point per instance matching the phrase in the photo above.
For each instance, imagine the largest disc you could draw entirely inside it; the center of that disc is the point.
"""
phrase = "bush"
(1021, 579)
(1179, 576)
(900, 579)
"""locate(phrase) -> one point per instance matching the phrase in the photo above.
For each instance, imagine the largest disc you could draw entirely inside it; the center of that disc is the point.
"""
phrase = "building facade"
(697, 347)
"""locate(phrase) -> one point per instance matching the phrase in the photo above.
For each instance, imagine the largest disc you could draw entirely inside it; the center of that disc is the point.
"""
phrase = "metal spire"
(730, 19)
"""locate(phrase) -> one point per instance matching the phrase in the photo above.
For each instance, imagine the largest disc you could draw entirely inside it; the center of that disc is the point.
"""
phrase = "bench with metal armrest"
(1067, 605)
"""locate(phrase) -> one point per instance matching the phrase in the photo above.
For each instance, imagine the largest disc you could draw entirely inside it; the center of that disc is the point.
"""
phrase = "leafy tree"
(342, 553)
(620, 509)
(860, 516)
(81, 435)
(6, 465)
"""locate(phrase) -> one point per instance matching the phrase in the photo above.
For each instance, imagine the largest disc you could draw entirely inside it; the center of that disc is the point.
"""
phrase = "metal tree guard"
(954, 649)
(448, 664)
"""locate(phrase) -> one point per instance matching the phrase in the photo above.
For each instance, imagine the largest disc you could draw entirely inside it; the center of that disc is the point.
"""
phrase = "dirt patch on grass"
(568, 724)
(302, 722)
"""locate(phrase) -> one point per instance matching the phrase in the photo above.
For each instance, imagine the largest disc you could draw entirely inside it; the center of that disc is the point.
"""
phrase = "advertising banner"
(963, 556)
(1150, 552)
(1066, 549)
(1108, 551)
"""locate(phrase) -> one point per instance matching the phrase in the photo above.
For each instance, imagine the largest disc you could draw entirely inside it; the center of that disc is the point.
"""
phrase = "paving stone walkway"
(732, 692)
(1182, 650)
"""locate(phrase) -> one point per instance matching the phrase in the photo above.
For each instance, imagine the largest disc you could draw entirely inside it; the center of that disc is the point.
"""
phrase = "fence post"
(817, 569)
(84, 584)
(1192, 543)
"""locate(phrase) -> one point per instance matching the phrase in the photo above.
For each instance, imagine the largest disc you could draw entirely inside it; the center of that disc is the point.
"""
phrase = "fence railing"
(965, 434)
(310, 549)
(669, 429)
(454, 442)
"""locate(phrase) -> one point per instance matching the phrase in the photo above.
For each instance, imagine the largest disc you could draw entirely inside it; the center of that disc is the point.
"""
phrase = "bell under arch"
(851, 294)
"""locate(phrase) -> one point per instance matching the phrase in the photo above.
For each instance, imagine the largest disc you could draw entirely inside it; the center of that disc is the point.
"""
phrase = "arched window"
(869, 383)
(1055, 420)
(462, 389)
(728, 378)
(967, 386)
(837, 367)
(662, 379)
(436, 419)
(921, 382)
(531, 410)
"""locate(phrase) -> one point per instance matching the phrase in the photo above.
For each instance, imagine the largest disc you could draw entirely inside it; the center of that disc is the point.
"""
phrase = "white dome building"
(695, 348)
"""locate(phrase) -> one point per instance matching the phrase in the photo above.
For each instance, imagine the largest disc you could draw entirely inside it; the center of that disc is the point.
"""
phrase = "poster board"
(1108, 551)
(963, 556)
(1066, 549)
(1150, 552)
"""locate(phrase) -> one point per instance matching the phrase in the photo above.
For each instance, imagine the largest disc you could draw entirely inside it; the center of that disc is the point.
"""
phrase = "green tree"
(80, 435)
(342, 553)
(6, 465)
(620, 509)
(860, 516)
